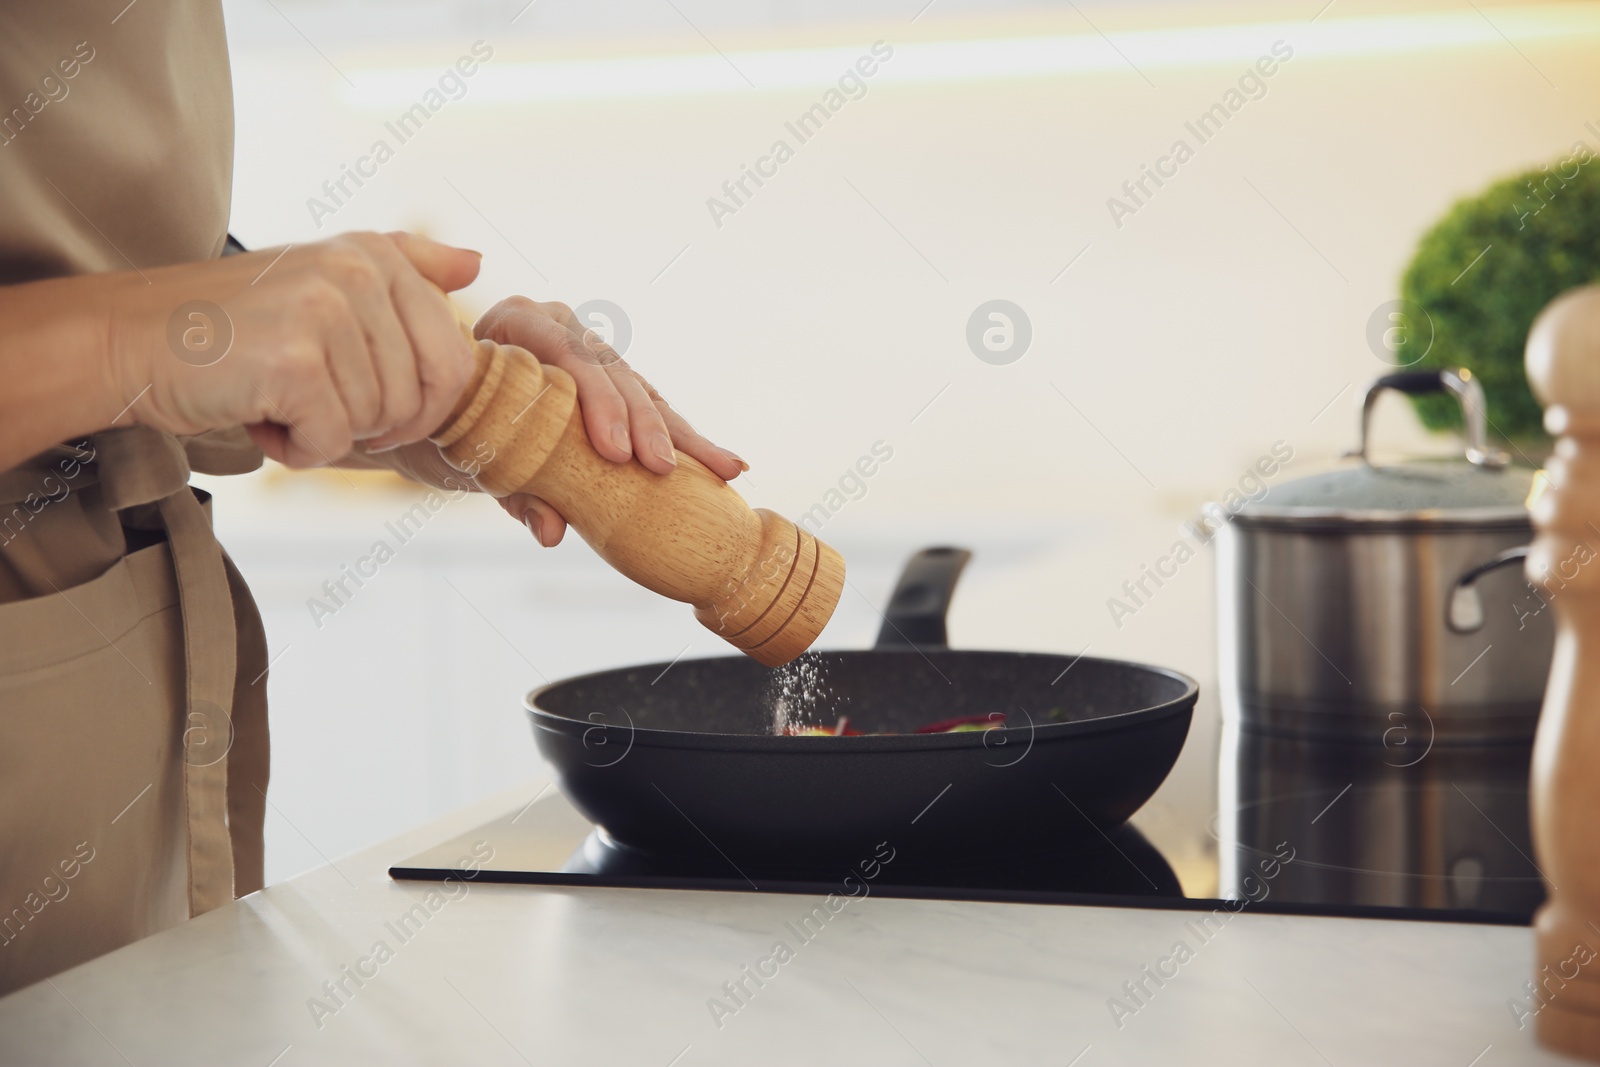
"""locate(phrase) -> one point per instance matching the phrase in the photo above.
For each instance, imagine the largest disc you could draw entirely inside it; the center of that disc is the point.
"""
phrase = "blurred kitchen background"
(829, 311)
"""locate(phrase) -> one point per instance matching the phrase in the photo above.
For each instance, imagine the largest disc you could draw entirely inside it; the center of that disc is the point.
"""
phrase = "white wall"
(1223, 316)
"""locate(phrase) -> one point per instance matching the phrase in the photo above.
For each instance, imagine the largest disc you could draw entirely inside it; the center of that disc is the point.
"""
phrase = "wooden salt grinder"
(755, 579)
(1563, 362)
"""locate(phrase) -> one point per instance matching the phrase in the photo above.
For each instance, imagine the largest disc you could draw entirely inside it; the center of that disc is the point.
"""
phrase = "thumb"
(543, 521)
(448, 267)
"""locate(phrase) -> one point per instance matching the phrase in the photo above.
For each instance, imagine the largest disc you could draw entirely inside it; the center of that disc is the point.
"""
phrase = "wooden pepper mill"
(755, 579)
(1563, 362)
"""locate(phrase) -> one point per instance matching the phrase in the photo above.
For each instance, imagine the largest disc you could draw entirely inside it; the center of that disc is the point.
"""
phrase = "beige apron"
(133, 736)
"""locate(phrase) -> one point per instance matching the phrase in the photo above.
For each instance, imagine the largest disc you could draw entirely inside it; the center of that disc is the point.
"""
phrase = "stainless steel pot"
(1372, 598)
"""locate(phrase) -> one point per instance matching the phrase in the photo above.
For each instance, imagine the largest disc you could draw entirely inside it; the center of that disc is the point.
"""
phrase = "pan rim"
(564, 725)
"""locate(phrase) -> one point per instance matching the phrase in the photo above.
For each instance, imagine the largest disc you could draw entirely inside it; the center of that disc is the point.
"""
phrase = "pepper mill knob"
(1563, 364)
(755, 579)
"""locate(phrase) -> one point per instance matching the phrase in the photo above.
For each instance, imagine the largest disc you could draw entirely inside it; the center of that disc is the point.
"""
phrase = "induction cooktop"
(1299, 828)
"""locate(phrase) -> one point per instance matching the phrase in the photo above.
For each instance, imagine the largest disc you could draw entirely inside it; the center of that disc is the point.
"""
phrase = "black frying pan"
(673, 758)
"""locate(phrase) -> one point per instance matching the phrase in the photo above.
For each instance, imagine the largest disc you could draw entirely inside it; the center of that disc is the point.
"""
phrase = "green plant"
(1542, 232)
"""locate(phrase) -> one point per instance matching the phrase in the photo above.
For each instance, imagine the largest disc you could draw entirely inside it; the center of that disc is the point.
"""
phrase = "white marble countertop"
(518, 974)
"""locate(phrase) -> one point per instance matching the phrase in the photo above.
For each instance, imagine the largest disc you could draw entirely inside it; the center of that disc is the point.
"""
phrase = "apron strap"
(139, 465)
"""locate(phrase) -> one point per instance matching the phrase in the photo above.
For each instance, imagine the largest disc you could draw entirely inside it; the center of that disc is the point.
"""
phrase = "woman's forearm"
(313, 347)
(56, 378)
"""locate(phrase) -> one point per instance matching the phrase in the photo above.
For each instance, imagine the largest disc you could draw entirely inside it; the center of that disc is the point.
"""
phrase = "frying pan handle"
(915, 616)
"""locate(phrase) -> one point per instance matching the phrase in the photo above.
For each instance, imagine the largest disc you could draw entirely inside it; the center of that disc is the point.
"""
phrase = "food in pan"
(965, 724)
(838, 729)
(962, 725)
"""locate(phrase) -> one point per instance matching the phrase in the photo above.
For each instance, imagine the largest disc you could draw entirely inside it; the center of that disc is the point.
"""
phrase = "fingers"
(647, 433)
(320, 375)
(317, 426)
(423, 385)
(622, 413)
(350, 367)
(270, 438)
(393, 361)
(543, 521)
(651, 442)
(368, 355)
(448, 267)
(443, 357)
(528, 325)
(723, 463)
(605, 412)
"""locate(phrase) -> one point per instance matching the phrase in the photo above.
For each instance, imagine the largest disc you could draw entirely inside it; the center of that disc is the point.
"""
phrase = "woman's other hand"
(622, 412)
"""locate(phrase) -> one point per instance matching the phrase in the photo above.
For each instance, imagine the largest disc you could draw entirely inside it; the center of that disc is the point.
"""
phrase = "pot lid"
(1480, 489)
(1448, 490)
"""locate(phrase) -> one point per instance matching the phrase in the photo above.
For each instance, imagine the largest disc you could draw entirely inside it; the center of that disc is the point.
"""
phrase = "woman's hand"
(623, 414)
(345, 340)
(313, 347)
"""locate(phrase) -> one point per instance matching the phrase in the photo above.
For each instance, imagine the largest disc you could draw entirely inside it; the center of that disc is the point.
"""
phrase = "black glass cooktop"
(1299, 827)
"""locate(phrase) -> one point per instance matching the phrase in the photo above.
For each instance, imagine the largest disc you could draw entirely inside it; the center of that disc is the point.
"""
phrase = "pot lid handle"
(1468, 392)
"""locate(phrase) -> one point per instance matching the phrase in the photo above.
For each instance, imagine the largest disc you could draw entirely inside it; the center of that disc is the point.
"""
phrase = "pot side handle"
(1464, 609)
(915, 617)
